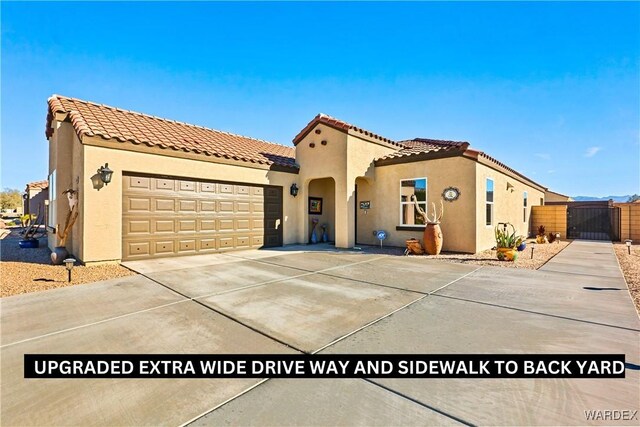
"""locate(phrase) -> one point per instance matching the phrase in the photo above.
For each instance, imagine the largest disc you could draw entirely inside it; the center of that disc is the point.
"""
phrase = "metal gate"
(593, 223)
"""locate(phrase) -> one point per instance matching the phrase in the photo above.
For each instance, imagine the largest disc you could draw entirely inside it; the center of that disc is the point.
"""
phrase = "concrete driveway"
(293, 300)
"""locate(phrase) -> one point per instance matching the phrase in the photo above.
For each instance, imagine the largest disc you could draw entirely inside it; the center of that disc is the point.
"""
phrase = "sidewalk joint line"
(538, 313)
(424, 405)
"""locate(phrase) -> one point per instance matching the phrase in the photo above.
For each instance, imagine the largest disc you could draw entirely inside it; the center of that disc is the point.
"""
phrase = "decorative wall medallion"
(451, 194)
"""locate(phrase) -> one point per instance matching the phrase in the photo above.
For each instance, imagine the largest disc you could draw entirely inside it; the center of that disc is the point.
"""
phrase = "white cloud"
(592, 151)
(544, 156)
(551, 171)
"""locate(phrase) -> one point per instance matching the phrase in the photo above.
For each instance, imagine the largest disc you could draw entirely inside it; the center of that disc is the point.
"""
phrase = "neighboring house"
(552, 196)
(34, 196)
(182, 189)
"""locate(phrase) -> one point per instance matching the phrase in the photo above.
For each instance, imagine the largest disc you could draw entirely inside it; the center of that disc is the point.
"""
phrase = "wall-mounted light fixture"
(293, 190)
(105, 173)
(69, 263)
(510, 187)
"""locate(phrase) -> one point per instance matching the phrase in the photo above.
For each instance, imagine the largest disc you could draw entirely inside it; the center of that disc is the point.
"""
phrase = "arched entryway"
(321, 206)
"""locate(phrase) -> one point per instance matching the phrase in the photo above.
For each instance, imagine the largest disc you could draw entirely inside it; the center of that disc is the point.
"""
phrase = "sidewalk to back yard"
(30, 270)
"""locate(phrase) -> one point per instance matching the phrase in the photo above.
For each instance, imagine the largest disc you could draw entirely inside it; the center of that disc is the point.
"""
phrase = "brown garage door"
(165, 216)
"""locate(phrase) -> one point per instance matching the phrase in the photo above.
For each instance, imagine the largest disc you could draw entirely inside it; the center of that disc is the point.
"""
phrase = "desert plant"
(552, 237)
(541, 238)
(504, 238)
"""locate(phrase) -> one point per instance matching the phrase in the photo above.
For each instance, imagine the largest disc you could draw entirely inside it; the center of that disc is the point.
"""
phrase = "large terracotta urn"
(433, 238)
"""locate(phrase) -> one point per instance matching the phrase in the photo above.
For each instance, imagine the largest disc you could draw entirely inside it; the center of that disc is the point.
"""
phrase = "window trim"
(486, 202)
(401, 203)
(51, 214)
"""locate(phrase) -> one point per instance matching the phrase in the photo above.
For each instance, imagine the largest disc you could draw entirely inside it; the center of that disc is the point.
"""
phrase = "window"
(524, 204)
(408, 213)
(51, 220)
(489, 202)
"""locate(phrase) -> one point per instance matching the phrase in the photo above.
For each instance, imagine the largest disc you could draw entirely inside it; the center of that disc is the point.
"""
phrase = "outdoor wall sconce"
(69, 263)
(293, 190)
(628, 243)
(510, 186)
(105, 173)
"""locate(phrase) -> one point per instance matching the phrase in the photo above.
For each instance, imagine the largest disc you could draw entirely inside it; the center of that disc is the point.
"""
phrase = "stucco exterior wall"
(508, 204)
(553, 217)
(65, 156)
(101, 210)
(317, 162)
(35, 199)
(458, 221)
(550, 196)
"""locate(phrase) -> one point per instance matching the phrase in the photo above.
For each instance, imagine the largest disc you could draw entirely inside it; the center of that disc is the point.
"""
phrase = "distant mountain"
(591, 198)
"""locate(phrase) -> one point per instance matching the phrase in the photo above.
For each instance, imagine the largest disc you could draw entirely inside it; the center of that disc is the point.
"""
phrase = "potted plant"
(541, 237)
(506, 242)
(521, 243)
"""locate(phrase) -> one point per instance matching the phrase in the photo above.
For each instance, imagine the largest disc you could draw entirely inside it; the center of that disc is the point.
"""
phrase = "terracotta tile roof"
(38, 184)
(417, 146)
(341, 125)
(125, 126)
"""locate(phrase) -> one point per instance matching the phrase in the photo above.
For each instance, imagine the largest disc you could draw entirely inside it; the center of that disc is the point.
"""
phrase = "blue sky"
(551, 89)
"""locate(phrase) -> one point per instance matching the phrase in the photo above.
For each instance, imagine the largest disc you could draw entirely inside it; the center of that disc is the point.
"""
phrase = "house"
(182, 189)
(552, 196)
(35, 196)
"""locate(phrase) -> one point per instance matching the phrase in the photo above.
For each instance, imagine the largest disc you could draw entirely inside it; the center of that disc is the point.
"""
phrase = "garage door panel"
(164, 226)
(186, 225)
(187, 205)
(187, 245)
(208, 245)
(136, 249)
(164, 247)
(165, 205)
(188, 186)
(243, 207)
(243, 241)
(169, 217)
(208, 187)
(138, 226)
(163, 184)
(225, 224)
(242, 190)
(225, 188)
(226, 242)
(225, 207)
(138, 204)
(257, 207)
(207, 225)
(207, 206)
(243, 224)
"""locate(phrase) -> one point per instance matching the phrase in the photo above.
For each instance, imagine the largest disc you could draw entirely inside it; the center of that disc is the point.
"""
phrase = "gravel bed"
(30, 270)
(541, 254)
(630, 265)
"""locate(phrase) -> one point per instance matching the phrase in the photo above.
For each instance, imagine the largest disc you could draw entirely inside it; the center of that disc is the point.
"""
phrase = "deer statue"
(60, 252)
(432, 231)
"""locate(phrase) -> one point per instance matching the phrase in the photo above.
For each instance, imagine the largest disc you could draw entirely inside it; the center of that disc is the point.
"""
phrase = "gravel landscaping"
(630, 265)
(541, 254)
(30, 270)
